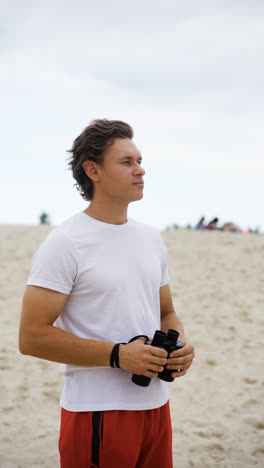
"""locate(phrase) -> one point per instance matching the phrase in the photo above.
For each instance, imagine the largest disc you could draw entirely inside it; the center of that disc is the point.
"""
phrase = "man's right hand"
(138, 358)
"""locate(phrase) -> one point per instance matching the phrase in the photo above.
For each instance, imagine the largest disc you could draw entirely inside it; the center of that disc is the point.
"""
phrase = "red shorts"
(116, 439)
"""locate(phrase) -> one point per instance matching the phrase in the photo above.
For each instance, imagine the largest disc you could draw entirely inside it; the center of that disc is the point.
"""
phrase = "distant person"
(231, 227)
(200, 224)
(212, 225)
(98, 280)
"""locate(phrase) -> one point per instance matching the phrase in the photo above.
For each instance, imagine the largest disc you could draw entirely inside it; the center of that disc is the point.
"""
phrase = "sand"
(217, 407)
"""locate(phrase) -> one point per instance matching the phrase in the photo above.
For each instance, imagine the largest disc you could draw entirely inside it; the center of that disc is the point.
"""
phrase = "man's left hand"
(180, 360)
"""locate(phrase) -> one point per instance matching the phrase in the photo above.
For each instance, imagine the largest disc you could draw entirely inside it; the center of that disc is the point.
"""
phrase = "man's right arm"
(39, 338)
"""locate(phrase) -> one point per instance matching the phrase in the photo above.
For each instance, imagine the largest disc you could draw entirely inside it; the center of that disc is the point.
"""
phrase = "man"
(98, 280)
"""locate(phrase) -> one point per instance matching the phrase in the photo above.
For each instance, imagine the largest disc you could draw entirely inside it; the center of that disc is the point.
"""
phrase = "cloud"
(201, 55)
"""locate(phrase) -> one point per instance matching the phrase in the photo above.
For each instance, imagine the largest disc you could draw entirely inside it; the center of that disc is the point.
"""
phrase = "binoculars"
(168, 341)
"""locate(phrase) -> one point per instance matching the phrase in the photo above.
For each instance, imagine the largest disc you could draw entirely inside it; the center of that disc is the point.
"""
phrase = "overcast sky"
(188, 77)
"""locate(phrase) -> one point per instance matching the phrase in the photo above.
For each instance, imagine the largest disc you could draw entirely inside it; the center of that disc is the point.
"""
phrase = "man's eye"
(130, 162)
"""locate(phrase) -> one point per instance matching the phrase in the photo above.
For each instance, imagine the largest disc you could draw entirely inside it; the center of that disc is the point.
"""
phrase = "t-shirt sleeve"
(164, 265)
(54, 265)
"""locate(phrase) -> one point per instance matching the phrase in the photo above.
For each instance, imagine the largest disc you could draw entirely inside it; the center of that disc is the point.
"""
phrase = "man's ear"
(91, 170)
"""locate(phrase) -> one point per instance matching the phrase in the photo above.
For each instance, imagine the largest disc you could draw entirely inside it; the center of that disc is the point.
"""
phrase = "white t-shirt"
(112, 274)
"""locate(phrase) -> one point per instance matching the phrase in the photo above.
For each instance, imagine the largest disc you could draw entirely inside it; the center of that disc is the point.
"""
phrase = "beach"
(216, 280)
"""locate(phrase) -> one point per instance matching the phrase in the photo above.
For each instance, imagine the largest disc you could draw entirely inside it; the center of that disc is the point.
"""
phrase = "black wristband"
(114, 358)
(139, 336)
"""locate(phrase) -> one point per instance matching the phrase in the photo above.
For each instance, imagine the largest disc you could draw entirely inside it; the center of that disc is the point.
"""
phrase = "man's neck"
(107, 214)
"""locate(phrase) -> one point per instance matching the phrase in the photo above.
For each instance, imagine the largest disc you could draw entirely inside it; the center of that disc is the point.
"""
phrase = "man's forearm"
(171, 320)
(53, 344)
(57, 345)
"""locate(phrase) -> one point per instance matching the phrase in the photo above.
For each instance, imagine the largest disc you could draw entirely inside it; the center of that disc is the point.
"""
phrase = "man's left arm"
(182, 358)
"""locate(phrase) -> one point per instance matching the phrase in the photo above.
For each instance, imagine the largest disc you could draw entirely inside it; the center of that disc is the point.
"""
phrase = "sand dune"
(217, 408)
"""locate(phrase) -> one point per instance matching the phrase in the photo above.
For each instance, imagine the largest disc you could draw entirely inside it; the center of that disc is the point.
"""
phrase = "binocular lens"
(158, 339)
(173, 334)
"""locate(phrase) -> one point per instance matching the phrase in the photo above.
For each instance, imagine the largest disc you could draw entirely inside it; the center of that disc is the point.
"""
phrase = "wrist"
(114, 357)
(122, 354)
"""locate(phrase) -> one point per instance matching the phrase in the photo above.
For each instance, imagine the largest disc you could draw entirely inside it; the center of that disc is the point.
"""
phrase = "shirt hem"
(164, 283)
(47, 285)
(113, 406)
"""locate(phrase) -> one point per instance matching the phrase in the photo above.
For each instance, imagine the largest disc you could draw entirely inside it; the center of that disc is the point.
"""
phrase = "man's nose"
(139, 170)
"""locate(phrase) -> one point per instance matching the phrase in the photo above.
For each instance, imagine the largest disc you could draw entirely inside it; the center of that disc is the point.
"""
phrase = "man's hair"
(91, 145)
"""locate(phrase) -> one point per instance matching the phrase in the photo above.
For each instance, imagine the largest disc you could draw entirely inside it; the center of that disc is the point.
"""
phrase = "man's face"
(121, 176)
